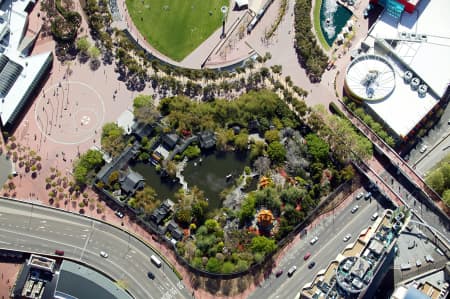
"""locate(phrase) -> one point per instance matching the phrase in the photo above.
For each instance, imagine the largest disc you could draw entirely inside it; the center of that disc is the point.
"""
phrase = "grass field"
(176, 27)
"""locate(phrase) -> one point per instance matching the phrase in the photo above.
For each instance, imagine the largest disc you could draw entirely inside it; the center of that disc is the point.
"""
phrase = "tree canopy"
(113, 141)
(87, 162)
(317, 148)
(144, 110)
(439, 179)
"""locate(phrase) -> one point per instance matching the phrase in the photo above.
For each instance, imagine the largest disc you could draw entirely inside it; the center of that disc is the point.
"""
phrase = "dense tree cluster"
(144, 110)
(345, 142)
(263, 106)
(113, 141)
(309, 52)
(439, 179)
(85, 165)
(65, 26)
(144, 200)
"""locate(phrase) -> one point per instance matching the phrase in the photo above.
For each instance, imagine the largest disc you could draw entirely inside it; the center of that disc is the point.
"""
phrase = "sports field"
(176, 27)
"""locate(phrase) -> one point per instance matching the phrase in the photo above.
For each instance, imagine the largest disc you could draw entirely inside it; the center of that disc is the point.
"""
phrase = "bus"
(155, 261)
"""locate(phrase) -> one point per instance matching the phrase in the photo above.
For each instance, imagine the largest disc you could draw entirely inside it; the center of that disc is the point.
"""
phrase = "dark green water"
(163, 188)
(338, 16)
(210, 175)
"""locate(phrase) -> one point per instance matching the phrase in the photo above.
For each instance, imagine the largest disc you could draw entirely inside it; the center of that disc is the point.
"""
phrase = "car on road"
(278, 273)
(368, 195)
(314, 240)
(423, 149)
(119, 214)
(311, 265)
(354, 209)
(59, 252)
(418, 263)
(103, 254)
(150, 275)
(307, 256)
(374, 216)
(292, 270)
(359, 195)
(347, 237)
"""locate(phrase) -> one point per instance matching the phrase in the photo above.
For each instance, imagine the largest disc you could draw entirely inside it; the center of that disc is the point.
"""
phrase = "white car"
(347, 237)
(103, 254)
(292, 270)
(359, 195)
(314, 240)
(354, 209)
(423, 149)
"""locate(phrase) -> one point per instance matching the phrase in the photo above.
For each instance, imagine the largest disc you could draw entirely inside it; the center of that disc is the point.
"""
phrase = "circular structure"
(370, 78)
(354, 274)
(69, 112)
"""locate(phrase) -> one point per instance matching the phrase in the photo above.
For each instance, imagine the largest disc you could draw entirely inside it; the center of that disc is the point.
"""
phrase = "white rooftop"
(126, 121)
(419, 42)
(429, 59)
(32, 65)
(403, 108)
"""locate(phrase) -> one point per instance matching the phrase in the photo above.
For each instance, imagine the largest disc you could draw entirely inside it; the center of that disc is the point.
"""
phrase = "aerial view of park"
(257, 149)
(176, 27)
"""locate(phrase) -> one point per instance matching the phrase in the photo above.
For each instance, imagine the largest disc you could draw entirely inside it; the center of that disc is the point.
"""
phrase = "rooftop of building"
(432, 284)
(19, 70)
(38, 279)
(96, 285)
(419, 43)
(355, 266)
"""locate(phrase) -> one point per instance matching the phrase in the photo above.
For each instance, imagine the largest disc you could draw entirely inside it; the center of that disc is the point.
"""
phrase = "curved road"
(34, 228)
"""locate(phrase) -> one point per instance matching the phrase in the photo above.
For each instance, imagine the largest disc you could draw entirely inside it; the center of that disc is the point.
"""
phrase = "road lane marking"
(331, 241)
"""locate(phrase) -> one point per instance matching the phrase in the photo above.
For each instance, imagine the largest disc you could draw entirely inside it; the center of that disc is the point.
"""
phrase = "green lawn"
(176, 27)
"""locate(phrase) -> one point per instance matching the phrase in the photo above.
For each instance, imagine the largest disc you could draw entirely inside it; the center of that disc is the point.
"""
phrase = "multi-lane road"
(34, 228)
(330, 232)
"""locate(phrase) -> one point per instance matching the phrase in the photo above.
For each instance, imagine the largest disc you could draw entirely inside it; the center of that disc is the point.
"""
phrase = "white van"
(155, 261)
(374, 216)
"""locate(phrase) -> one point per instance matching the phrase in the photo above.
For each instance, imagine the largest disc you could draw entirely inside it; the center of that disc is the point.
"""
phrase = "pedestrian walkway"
(410, 173)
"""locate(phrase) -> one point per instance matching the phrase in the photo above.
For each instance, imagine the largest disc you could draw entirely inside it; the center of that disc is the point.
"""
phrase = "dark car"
(278, 273)
(311, 265)
(151, 275)
(59, 252)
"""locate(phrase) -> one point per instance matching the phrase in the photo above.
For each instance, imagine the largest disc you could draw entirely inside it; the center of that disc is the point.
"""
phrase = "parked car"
(150, 275)
(119, 214)
(311, 265)
(59, 252)
(314, 240)
(354, 209)
(359, 195)
(292, 270)
(367, 195)
(307, 256)
(347, 237)
(278, 273)
(103, 254)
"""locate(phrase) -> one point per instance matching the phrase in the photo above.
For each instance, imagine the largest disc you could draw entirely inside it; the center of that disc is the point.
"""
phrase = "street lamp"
(224, 10)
